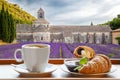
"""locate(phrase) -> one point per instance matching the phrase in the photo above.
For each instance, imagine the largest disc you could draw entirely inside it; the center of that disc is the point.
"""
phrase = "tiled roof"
(41, 21)
(116, 30)
(69, 28)
(24, 28)
(63, 28)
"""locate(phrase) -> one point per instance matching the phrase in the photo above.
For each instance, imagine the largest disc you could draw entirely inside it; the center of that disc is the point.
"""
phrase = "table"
(7, 72)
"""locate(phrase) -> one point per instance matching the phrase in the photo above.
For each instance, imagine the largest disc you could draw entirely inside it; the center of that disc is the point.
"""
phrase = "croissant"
(99, 64)
(84, 51)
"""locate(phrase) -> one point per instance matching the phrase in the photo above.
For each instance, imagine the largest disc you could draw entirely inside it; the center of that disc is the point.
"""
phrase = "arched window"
(41, 37)
(40, 15)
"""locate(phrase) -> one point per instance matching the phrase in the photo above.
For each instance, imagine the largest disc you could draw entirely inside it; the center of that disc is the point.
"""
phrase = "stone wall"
(114, 36)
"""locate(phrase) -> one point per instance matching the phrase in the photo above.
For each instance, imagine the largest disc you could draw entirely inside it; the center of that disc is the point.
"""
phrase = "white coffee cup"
(35, 56)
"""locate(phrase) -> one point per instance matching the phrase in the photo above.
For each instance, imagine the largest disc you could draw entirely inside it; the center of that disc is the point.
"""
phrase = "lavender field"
(63, 50)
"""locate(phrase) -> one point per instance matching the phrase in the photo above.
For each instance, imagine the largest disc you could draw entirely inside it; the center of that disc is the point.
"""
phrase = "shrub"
(118, 38)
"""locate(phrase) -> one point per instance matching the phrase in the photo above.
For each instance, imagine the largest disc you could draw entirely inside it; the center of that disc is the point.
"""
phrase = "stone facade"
(115, 34)
(42, 31)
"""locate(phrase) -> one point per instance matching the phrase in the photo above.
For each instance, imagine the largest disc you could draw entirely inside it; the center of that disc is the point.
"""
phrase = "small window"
(41, 37)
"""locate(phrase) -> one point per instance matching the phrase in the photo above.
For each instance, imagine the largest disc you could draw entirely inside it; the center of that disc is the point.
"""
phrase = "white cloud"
(73, 11)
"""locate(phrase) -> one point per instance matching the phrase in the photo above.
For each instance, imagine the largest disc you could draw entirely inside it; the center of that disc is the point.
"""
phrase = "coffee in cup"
(35, 56)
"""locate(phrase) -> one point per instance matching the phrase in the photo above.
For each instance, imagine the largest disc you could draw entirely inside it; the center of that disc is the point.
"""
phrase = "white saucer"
(24, 72)
(64, 68)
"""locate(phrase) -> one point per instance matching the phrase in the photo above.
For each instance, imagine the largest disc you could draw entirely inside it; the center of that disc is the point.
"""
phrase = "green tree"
(0, 25)
(118, 15)
(118, 39)
(12, 28)
(7, 26)
(115, 23)
(2, 22)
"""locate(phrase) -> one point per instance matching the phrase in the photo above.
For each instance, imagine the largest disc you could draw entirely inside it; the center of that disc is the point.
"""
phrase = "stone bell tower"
(40, 28)
(40, 13)
(41, 21)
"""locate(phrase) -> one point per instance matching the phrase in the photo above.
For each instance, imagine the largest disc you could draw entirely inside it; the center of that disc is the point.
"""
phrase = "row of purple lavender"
(63, 50)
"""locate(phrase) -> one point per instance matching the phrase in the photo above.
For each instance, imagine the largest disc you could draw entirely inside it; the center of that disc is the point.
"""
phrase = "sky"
(72, 12)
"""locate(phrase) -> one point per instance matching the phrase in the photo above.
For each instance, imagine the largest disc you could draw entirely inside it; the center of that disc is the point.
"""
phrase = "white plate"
(64, 68)
(24, 72)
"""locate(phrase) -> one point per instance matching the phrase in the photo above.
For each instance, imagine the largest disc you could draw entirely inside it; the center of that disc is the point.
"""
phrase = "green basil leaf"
(83, 61)
(78, 67)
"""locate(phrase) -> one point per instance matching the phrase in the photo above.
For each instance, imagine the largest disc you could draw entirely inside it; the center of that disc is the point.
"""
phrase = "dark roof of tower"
(40, 10)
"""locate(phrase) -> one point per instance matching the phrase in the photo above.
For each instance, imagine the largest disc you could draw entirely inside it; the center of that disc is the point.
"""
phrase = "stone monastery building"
(42, 31)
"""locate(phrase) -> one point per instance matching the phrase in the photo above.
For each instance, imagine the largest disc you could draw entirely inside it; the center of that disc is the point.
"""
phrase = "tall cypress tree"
(2, 21)
(0, 25)
(12, 29)
(7, 26)
(5, 29)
